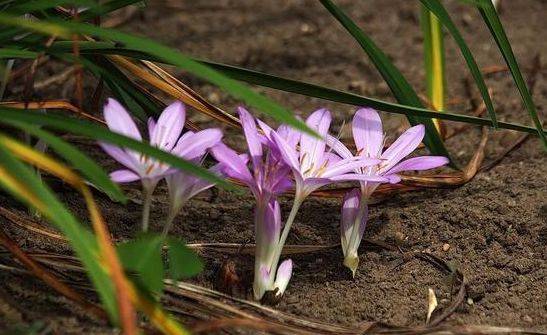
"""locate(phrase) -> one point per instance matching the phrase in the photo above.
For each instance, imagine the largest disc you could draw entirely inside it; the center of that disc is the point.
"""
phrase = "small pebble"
(527, 318)
(446, 246)
(470, 301)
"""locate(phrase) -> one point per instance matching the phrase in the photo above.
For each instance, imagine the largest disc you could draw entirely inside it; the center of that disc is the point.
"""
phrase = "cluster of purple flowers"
(277, 161)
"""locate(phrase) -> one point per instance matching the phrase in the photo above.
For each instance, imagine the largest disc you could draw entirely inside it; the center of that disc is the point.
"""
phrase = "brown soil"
(495, 226)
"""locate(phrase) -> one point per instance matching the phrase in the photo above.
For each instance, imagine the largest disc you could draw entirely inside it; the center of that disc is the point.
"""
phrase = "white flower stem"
(169, 222)
(258, 289)
(292, 215)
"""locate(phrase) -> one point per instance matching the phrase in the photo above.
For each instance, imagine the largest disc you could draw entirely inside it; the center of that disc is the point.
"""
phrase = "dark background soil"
(495, 225)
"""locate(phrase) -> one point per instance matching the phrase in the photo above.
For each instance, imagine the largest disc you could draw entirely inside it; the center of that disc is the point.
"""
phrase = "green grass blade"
(100, 133)
(168, 55)
(492, 20)
(433, 59)
(89, 169)
(82, 240)
(440, 12)
(316, 91)
(401, 89)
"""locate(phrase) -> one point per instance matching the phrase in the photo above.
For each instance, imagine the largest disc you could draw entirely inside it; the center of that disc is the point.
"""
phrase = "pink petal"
(151, 126)
(231, 161)
(403, 146)
(120, 155)
(192, 146)
(124, 176)
(290, 135)
(419, 163)
(349, 212)
(272, 222)
(311, 184)
(367, 132)
(251, 135)
(267, 130)
(119, 121)
(287, 152)
(359, 177)
(349, 164)
(312, 148)
(338, 147)
(169, 126)
(284, 273)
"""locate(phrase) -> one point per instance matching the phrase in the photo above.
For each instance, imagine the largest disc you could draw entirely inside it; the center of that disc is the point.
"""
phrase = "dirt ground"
(493, 229)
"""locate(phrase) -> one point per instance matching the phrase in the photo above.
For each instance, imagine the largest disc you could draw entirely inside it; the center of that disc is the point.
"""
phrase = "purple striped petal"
(124, 176)
(284, 273)
(338, 147)
(119, 121)
(287, 152)
(350, 208)
(403, 146)
(232, 163)
(151, 126)
(368, 132)
(291, 136)
(359, 177)
(120, 155)
(169, 126)
(193, 146)
(272, 222)
(312, 148)
(349, 164)
(251, 135)
(419, 163)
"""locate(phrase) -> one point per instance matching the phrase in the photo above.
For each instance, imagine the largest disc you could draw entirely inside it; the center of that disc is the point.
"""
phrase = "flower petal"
(169, 127)
(124, 176)
(192, 146)
(231, 161)
(403, 146)
(359, 177)
(151, 126)
(287, 152)
(350, 208)
(312, 148)
(284, 273)
(368, 132)
(119, 120)
(120, 155)
(419, 163)
(348, 164)
(338, 147)
(251, 135)
(272, 222)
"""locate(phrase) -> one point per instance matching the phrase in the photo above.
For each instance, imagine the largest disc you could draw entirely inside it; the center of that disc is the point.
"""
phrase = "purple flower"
(267, 178)
(312, 166)
(165, 135)
(369, 140)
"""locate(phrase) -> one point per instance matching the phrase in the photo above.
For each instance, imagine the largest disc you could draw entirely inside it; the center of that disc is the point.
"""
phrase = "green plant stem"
(147, 200)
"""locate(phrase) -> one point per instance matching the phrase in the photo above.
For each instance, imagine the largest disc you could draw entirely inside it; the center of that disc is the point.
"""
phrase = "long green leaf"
(93, 172)
(312, 90)
(238, 90)
(294, 86)
(401, 89)
(81, 239)
(440, 12)
(94, 131)
(493, 22)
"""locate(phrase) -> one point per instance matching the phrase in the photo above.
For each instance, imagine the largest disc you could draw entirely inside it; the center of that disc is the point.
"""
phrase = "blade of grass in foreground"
(492, 20)
(434, 61)
(66, 29)
(442, 15)
(25, 185)
(401, 89)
